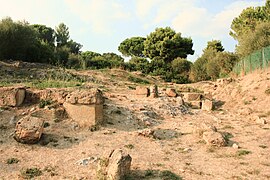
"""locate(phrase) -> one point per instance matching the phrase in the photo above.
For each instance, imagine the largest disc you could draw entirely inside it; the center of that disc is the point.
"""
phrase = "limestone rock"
(195, 104)
(28, 130)
(154, 91)
(85, 115)
(207, 105)
(142, 91)
(146, 132)
(192, 96)
(85, 107)
(171, 92)
(12, 96)
(214, 139)
(115, 167)
(92, 96)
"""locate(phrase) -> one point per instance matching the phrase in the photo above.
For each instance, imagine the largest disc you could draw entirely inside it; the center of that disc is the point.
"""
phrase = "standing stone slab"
(154, 91)
(115, 167)
(12, 96)
(207, 105)
(85, 107)
(28, 130)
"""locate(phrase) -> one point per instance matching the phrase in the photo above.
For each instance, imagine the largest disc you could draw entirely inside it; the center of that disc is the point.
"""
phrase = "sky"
(101, 25)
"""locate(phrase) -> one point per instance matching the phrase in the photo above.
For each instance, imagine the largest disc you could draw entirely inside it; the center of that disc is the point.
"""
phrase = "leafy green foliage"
(166, 44)
(61, 34)
(132, 46)
(254, 40)
(17, 40)
(12, 161)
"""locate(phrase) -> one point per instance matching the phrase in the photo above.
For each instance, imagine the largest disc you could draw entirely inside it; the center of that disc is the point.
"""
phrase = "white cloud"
(200, 22)
(99, 14)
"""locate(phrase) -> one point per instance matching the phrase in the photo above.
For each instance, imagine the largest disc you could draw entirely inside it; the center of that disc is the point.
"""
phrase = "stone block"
(171, 92)
(153, 91)
(29, 129)
(85, 107)
(85, 115)
(142, 91)
(192, 96)
(207, 105)
(12, 96)
(195, 104)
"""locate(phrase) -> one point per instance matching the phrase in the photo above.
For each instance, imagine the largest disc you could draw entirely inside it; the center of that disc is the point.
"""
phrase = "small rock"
(260, 120)
(171, 92)
(32, 109)
(12, 120)
(214, 139)
(235, 146)
(146, 132)
(187, 150)
(86, 161)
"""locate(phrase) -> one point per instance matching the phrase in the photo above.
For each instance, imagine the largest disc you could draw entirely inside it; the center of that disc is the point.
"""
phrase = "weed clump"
(12, 161)
(30, 173)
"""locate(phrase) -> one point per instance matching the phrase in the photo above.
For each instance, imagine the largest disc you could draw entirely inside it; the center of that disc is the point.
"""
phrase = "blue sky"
(101, 25)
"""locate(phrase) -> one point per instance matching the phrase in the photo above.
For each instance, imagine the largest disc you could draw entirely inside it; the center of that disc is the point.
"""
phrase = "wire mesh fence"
(258, 60)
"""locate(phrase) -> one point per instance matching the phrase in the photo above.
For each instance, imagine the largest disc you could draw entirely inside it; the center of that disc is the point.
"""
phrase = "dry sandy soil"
(177, 151)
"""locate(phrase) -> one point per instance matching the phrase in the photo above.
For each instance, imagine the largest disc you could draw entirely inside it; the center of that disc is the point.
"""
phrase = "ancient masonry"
(195, 100)
(85, 107)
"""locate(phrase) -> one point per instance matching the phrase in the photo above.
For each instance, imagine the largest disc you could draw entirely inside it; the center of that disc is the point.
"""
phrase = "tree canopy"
(166, 44)
(132, 46)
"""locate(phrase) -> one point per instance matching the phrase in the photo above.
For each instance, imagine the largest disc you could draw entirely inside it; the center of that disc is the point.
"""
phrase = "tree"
(132, 46)
(215, 44)
(17, 40)
(166, 44)
(45, 34)
(74, 47)
(254, 40)
(248, 20)
(62, 34)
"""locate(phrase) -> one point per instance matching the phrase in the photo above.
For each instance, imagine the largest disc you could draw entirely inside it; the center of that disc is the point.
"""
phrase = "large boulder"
(85, 107)
(116, 166)
(29, 129)
(12, 96)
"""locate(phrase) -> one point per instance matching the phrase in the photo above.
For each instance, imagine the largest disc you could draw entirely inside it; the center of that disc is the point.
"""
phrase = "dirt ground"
(69, 152)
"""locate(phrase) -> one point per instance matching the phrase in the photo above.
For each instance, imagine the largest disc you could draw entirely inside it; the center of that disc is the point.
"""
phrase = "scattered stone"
(235, 146)
(29, 129)
(12, 120)
(142, 91)
(207, 105)
(208, 95)
(260, 120)
(114, 167)
(85, 107)
(214, 139)
(171, 92)
(154, 91)
(187, 150)
(146, 132)
(163, 134)
(86, 161)
(12, 96)
(195, 104)
(192, 96)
